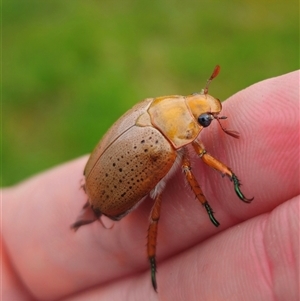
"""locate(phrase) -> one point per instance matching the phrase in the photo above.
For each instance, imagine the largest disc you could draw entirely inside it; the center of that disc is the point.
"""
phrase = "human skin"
(252, 255)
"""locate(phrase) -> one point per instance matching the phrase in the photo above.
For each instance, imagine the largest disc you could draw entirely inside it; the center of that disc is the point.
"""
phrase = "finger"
(11, 286)
(259, 260)
(95, 255)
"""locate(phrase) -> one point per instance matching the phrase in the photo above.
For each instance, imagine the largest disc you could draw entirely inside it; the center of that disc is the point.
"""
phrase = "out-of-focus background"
(71, 68)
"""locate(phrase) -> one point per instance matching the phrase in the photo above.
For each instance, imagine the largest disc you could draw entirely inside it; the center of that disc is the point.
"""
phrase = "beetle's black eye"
(205, 119)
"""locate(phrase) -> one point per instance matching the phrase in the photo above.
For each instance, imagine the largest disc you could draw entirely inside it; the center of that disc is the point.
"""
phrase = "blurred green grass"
(71, 68)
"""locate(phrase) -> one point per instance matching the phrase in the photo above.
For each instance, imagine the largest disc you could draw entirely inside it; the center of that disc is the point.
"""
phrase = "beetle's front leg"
(222, 168)
(197, 189)
(152, 238)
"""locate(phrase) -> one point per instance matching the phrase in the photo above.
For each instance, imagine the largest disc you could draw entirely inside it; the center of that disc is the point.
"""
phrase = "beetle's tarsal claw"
(211, 214)
(153, 272)
(237, 185)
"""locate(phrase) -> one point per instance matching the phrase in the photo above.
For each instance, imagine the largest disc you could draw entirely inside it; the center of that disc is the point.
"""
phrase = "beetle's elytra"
(136, 157)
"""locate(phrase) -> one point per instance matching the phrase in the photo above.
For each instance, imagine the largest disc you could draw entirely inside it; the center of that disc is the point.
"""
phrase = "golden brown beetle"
(137, 156)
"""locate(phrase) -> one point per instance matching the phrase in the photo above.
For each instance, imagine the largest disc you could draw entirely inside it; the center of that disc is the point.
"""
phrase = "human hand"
(253, 255)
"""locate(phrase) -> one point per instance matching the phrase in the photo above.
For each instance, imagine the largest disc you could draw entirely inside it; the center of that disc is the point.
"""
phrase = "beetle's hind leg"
(197, 189)
(152, 238)
(87, 216)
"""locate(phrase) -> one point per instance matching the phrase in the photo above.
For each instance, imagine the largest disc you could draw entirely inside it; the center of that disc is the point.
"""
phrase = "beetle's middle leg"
(152, 238)
(197, 189)
(222, 168)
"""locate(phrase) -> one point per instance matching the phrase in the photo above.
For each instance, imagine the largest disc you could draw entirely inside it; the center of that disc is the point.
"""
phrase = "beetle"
(138, 155)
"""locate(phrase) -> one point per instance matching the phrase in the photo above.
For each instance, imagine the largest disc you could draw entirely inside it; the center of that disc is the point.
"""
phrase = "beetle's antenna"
(231, 133)
(213, 75)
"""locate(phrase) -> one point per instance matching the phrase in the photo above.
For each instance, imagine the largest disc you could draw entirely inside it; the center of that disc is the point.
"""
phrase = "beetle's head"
(203, 103)
(206, 108)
